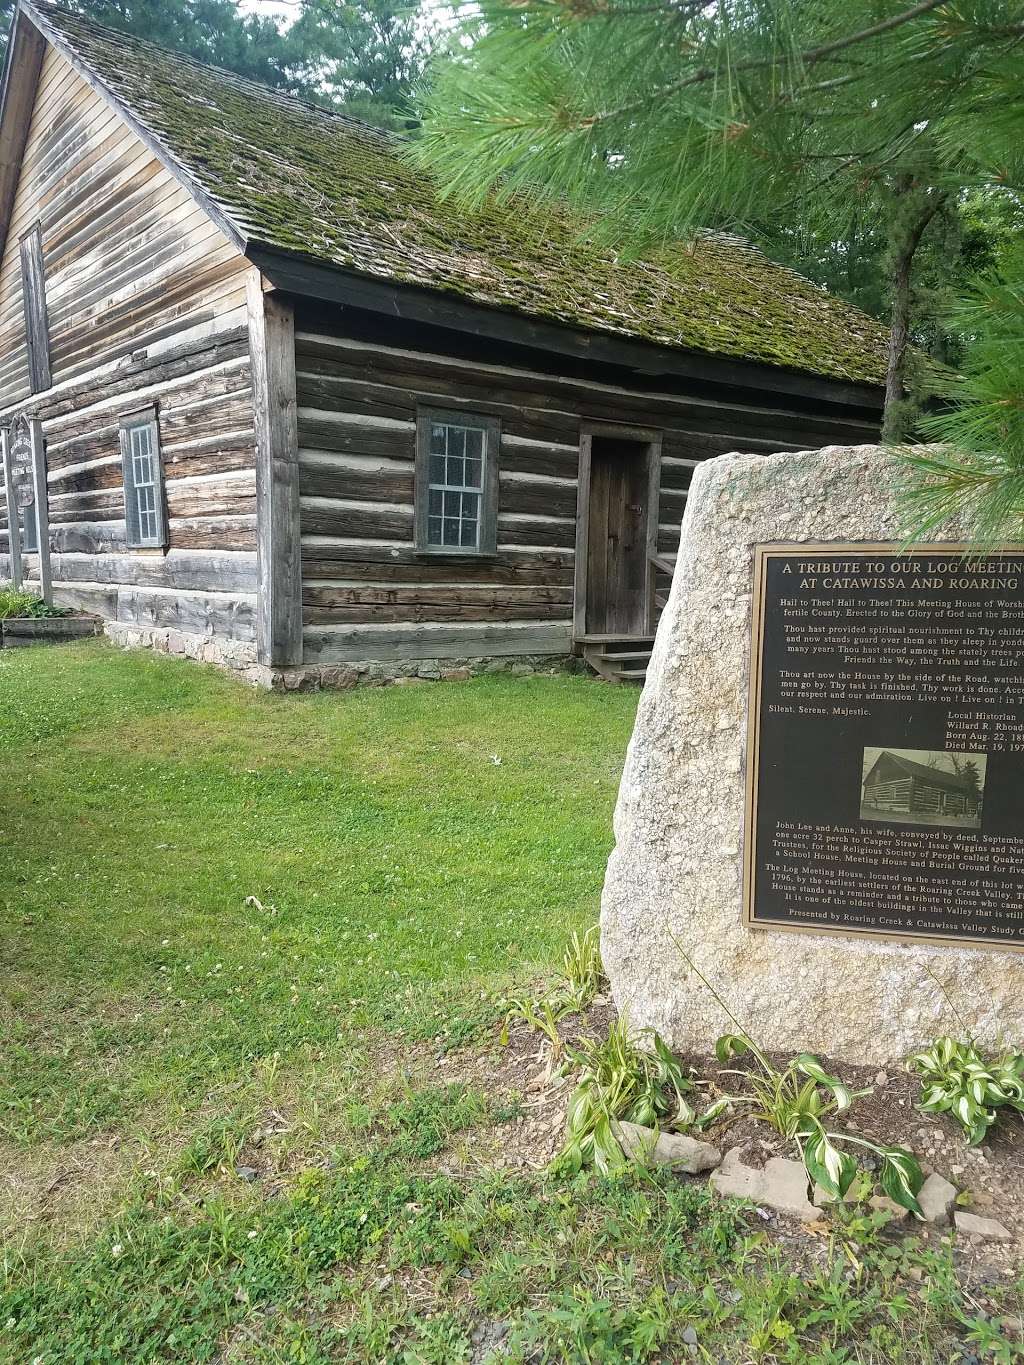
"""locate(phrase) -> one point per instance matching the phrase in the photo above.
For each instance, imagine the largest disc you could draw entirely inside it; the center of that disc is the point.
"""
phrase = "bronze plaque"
(885, 748)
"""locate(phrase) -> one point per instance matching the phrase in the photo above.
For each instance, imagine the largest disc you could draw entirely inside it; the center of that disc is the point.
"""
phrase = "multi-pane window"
(454, 486)
(145, 523)
(456, 483)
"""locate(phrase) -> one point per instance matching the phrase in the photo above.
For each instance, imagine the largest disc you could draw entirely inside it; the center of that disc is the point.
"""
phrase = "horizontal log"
(535, 532)
(331, 518)
(449, 611)
(372, 480)
(546, 499)
(676, 478)
(433, 594)
(211, 498)
(404, 564)
(228, 571)
(95, 597)
(231, 617)
(326, 644)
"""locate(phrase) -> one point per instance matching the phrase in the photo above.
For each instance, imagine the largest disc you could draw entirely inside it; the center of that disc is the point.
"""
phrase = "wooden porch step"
(619, 639)
(619, 658)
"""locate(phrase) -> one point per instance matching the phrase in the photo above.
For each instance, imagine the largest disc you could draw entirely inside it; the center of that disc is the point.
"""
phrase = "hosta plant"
(799, 1101)
(957, 1079)
(631, 1076)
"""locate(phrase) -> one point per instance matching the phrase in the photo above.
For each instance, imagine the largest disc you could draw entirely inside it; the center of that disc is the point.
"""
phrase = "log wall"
(145, 303)
(367, 594)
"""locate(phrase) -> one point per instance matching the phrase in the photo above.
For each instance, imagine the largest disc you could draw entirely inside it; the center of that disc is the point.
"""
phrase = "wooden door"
(617, 537)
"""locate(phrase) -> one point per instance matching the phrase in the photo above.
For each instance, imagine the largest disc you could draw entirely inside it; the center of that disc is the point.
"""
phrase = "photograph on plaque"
(923, 787)
(885, 745)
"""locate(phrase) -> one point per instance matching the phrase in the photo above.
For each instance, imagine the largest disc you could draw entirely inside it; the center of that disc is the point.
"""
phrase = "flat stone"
(682, 1153)
(883, 1203)
(988, 1229)
(338, 676)
(676, 873)
(782, 1184)
(937, 1198)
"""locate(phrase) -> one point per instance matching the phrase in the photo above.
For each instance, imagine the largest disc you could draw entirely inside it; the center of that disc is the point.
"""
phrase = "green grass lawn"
(247, 930)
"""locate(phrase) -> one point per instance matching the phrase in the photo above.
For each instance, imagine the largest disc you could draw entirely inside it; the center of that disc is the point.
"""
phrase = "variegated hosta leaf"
(901, 1177)
(810, 1066)
(714, 1112)
(834, 1170)
(731, 1045)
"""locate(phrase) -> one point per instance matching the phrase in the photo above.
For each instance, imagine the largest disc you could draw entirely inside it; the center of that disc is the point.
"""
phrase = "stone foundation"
(239, 657)
(379, 673)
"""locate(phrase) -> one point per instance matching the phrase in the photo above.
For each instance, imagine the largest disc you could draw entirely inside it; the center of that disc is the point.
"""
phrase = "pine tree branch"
(808, 58)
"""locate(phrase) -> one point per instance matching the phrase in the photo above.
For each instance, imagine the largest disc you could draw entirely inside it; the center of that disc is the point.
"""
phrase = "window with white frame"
(456, 483)
(145, 521)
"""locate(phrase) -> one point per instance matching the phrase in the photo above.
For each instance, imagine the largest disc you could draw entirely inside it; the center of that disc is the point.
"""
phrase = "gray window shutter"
(145, 515)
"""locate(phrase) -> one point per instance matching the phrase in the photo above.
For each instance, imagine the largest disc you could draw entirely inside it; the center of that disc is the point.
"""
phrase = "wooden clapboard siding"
(364, 583)
(146, 307)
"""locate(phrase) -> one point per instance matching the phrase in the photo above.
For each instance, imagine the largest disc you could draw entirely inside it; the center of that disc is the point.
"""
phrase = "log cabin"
(266, 398)
(898, 785)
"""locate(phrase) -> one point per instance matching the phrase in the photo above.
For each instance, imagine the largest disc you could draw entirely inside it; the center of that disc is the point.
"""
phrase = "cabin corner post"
(278, 547)
(41, 508)
(13, 524)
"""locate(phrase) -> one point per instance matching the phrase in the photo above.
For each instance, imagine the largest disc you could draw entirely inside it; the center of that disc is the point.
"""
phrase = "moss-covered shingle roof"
(294, 177)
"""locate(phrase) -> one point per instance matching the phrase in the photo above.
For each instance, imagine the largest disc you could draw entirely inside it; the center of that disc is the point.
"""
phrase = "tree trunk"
(911, 223)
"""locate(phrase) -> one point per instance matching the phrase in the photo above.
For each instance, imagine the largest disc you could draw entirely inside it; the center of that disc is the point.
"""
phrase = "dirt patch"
(59, 1192)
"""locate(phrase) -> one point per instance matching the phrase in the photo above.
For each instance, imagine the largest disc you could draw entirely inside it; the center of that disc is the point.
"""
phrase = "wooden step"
(619, 639)
(618, 658)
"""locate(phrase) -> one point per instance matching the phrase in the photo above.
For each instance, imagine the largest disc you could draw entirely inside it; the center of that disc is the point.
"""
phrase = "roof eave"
(184, 177)
(311, 277)
(25, 47)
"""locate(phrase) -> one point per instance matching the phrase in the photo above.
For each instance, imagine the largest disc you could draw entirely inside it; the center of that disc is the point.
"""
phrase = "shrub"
(16, 602)
(957, 1079)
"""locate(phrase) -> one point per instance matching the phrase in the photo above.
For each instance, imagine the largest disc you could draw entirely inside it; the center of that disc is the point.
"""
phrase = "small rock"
(881, 1079)
(937, 1197)
(689, 1337)
(677, 1150)
(246, 1173)
(895, 1211)
(987, 1229)
(782, 1185)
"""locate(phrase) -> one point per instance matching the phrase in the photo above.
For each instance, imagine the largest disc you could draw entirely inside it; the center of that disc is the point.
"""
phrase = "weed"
(422, 1124)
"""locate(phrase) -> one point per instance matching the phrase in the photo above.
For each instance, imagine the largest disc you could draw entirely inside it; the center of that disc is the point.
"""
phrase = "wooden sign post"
(25, 482)
(13, 519)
